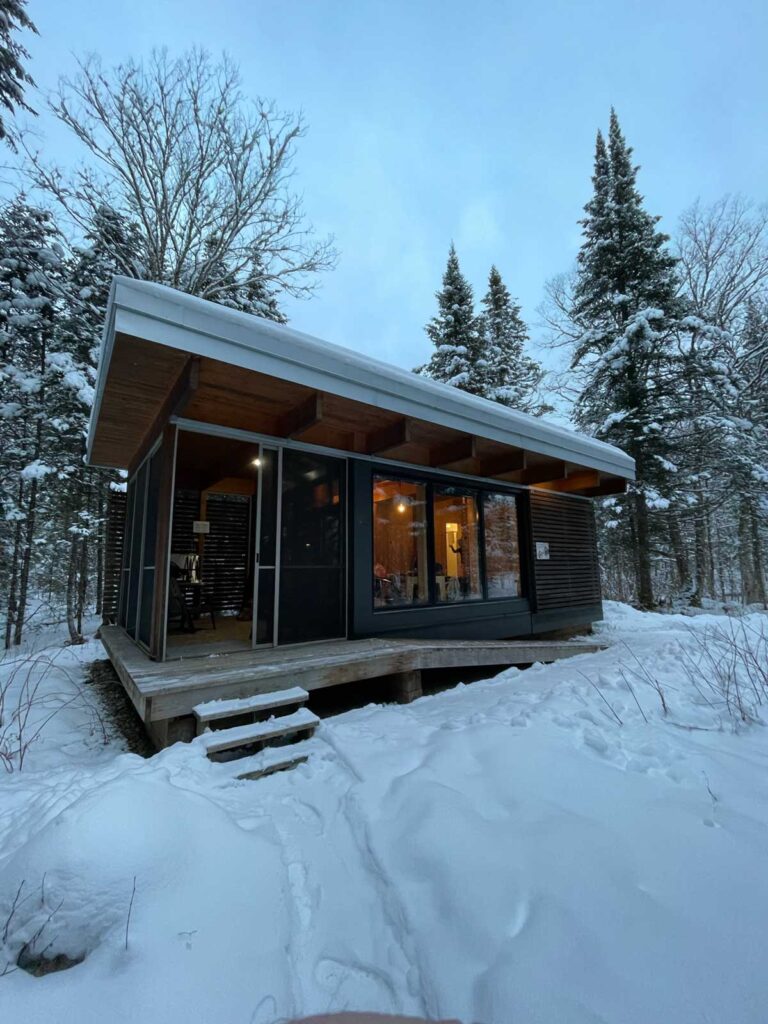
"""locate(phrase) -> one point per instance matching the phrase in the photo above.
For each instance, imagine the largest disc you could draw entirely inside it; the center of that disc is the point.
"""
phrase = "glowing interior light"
(401, 507)
(256, 462)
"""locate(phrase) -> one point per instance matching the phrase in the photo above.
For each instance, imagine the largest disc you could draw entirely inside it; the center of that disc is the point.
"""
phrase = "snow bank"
(545, 846)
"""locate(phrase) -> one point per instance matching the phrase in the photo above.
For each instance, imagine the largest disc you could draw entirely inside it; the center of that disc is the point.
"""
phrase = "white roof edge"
(179, 320)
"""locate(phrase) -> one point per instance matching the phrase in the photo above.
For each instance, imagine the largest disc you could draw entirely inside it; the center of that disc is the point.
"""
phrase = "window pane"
(502, 548)
(399, 543)
(457, 555)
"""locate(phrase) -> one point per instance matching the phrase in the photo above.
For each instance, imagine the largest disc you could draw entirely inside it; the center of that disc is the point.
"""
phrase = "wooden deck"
(171, 689)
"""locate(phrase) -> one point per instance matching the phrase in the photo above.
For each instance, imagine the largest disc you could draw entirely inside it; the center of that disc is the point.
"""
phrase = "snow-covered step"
(258, 732)
(215, 710)
(268, 762)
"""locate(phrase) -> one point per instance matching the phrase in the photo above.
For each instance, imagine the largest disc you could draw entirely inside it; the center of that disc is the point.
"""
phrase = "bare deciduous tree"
(723, 254)
(204, 174)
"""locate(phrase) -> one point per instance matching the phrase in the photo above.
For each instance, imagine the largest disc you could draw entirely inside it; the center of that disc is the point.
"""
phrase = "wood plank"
(257, 732)
(455, 453)
(215, 710)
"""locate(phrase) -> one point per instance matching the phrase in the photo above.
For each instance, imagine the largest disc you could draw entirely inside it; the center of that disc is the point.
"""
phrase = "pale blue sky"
(432, 121)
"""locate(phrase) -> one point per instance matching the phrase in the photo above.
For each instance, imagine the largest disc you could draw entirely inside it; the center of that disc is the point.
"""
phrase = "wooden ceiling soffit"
(389, 439)
(302, 417)
(175, 402)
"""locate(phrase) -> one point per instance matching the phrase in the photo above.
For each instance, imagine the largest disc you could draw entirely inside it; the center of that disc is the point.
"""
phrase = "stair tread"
(273, 759)
(240, 735)
(213, 709)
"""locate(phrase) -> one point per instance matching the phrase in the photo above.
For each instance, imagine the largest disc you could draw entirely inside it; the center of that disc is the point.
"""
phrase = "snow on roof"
(173, 318)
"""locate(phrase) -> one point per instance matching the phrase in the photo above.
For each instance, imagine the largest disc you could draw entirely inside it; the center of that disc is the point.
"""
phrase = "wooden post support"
(406, 686)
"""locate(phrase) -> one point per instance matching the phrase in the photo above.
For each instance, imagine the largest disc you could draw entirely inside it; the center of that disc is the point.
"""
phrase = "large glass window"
(399, 543)
(502, 548)
(457, 551)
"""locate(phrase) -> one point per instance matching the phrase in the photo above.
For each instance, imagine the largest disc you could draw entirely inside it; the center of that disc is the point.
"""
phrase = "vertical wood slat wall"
(570, 578)
(114, 535)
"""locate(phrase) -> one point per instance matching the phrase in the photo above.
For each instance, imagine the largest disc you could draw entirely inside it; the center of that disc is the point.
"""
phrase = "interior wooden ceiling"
(148, 383)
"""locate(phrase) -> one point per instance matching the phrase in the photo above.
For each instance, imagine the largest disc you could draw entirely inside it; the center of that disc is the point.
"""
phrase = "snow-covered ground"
(527, 849)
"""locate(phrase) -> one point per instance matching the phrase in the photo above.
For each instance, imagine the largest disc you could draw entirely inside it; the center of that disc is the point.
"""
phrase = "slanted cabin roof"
(166, 354)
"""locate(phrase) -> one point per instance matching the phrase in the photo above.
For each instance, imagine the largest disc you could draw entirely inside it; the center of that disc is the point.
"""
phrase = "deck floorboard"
(161, 690)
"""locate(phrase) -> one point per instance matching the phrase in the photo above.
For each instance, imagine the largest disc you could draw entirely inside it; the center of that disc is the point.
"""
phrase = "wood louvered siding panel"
(225, 561)
(186, 509)
(114, 533)
(571, 576)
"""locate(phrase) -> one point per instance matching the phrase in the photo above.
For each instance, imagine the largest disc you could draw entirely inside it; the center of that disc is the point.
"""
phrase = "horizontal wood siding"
(570, 578)
(186, 509)
(114, 533)
(225, 559)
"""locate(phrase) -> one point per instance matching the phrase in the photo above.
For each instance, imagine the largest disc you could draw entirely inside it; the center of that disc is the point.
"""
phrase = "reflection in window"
(457, 555)
(399, 543)
(502, 549)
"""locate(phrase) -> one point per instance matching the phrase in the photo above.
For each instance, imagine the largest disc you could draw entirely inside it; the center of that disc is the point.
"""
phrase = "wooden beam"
(389, 438)
(497, 465)
(303, 416)
(607, 485)
(175, 402)
(454, 454)
(543, 473)
(574, 481)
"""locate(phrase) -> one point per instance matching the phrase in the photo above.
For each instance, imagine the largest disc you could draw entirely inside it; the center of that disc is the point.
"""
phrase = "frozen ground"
(528, 849)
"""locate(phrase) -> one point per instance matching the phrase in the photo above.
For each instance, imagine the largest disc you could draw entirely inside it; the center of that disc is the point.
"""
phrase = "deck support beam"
(406, 686)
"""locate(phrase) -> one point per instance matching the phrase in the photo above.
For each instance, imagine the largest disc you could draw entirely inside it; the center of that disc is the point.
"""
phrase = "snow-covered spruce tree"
(251, 294)
(14, 78)
(513, 378)
(30, 293)
(455, 333)
(626, 306)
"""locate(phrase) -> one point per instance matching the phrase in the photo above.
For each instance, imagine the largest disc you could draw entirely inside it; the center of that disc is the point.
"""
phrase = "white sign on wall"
(201, 526)
(542, 551)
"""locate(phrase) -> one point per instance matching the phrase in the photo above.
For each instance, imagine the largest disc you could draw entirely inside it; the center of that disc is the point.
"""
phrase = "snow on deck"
(524, 849)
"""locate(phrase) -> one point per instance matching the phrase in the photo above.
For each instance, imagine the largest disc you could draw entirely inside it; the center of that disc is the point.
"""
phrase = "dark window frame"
(477, 489)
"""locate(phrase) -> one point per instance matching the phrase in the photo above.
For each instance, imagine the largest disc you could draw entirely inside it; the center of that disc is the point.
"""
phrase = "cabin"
(298, 512)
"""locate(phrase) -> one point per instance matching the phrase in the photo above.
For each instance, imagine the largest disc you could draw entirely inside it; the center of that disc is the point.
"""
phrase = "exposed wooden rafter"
(302, 417)
(458, 454)
(544, 473)
(175, 402)
(574, 482)
(390, 438)
(498, 465)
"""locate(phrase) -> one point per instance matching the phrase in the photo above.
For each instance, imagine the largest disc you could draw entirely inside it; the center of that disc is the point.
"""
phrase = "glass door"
(311, 598)
(266, 547)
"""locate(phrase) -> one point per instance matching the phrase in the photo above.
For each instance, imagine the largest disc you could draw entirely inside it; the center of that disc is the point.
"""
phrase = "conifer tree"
(626, 305)
(455, 334)
(30, 294)
(513, 378)
(14, 78)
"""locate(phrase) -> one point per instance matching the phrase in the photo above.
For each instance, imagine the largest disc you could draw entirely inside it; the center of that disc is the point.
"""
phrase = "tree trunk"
(746, 564)
(72, 588)
(26, 562)
(642, 552)
(757, 559)
(700, 551)
(682, 568)
(13, 583)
